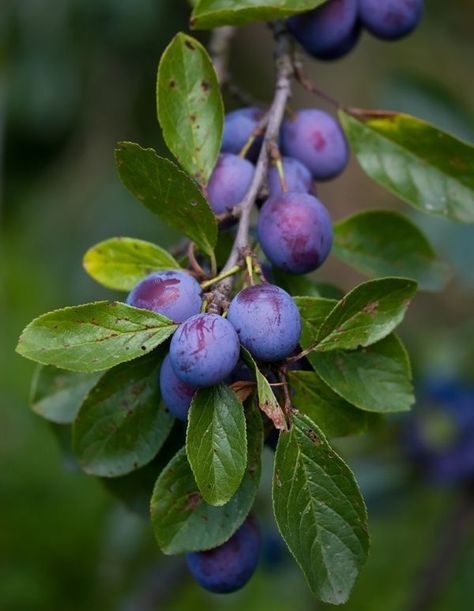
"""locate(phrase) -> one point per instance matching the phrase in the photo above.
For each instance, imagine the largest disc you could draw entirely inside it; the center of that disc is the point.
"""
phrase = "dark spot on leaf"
(190, 45)
(172, 83)
(192, 501)
(205, 85)
(313, 436)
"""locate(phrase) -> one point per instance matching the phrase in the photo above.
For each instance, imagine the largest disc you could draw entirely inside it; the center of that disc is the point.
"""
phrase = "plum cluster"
(332, 30)
(204, 351)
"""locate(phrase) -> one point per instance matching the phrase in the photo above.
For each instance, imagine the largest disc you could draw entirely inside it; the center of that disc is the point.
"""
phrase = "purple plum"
(172, 293)
(316, 139)
(238, 127)
(390, 19)
(204, 350)
(176, 395)
(229, 182)
(295, 232)
(297, 177)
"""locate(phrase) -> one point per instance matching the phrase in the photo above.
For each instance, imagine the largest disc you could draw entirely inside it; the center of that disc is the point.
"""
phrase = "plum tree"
(238, 128)
(173, 293)
(325, 31)
(176, 394)
(297, 177)
(267, 321)
(390, 19)
(229, 182)
(229, 567)
(295, 232)
(204, 350)
(316, 139)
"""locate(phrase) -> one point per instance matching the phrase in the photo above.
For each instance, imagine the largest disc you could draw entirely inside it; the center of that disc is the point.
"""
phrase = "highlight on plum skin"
(295, 232)
(325, 31)
(229, 182)
(317, 140)
(176, 394)
(228, 567)
(204, 350)
(267, 321)
(297, 177)
(390, 19)
(174, 294)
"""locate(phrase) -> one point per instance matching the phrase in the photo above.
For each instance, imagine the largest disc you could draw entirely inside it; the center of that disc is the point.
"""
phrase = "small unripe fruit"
(295, 232)
(390, 19)
(325, 28)
(230, 566)
(317, 140)
(176, 395)
(297, 177)
(174, 294)
(204, 350)
(229, 182)
(267, 321)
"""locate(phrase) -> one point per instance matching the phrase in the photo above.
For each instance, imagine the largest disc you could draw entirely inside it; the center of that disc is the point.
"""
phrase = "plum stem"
(221, 276)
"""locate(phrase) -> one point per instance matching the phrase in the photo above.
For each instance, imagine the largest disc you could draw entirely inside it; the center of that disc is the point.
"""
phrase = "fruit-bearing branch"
(276, 113)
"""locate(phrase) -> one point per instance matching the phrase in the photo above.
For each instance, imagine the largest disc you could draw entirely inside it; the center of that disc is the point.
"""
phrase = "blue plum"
(230, 566)
(238, 127)
(267, 321)
(204, 350)
(295, 232)
(316, 139)
(176, 395)
(174, 294)
(325, 28)
(297, 177)
(345, 45)
(390, 19)
(229, 182)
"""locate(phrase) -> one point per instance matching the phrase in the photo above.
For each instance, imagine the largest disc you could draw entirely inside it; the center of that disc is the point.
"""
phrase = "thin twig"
(308, 84)
(219, 49)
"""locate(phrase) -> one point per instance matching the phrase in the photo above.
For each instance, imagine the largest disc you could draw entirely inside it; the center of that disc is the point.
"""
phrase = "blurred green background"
(76, 76)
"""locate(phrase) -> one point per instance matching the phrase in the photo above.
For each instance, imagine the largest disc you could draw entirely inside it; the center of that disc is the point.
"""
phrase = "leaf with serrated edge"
(214, 13)
(190, 107)
(386, 243)
(216, 443)
(333, 414)
(120, 263)
(266, 397)
(375, 379)
(121, 425)
(423, 165)
(367, 314)
(94, 336)
(57, 395)
(168, 192)
(183, 521)
(319, 510)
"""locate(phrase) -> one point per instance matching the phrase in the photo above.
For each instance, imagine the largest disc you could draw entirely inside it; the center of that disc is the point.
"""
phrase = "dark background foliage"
(79, 75)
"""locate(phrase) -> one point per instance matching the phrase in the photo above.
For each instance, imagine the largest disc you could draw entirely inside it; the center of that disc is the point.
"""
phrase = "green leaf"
(266, 397)
(386, 243)
(120, 263)
(57, 395)
(301, 285)
(94, 336)
(183, 521)
(320, 511)
(314, 311)
(334, 416)
(190, 107)
(168, 192)
(121, 425)
(214, 13)
(216, 443)
(426, 167)
(375, 379)
(367, 314)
